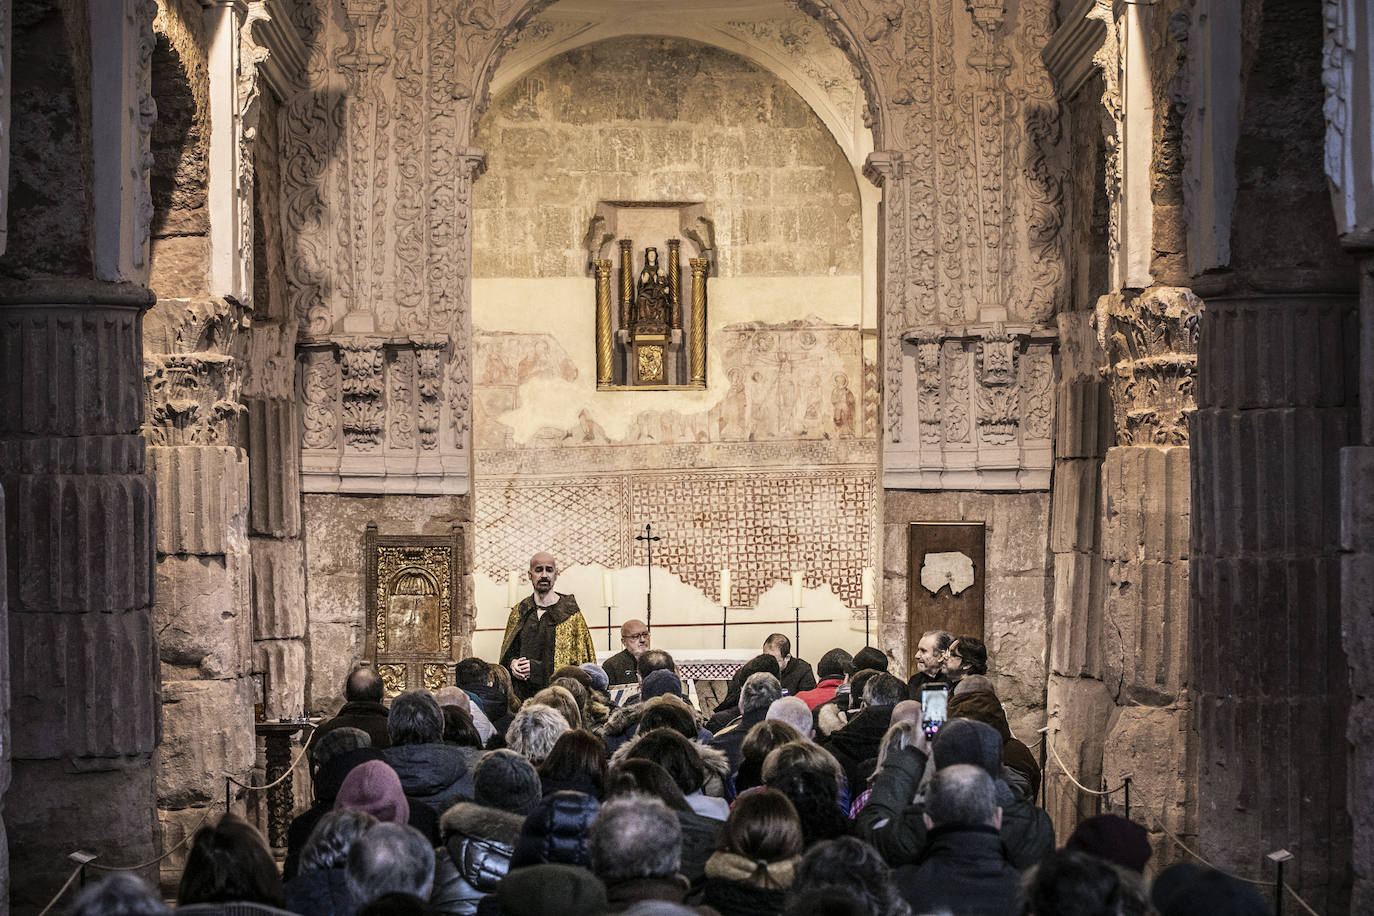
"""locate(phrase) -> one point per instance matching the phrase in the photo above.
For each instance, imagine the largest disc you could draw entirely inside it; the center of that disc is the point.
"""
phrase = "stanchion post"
(608, 628)
(724, 611)
(1044, 761)
(1128, 797)
(226, 794)
(1278, 857)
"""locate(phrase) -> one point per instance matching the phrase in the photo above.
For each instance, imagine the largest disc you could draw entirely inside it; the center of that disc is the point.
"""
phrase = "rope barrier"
(58, 896)
(1159, 825)
(1044, 736)
(151, 862)
(284, 776)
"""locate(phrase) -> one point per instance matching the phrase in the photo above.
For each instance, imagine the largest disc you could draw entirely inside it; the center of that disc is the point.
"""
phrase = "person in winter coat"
(623, 724)
(320, 888)
(759, 849)
(684, 761)
(636, 849)
(556, 831)
(479, 836)
(728, 709)
(834, 669)
(576, 763)
(432, 773)
(375, 789)
(892, 820)
(637, 776)
(715, 768)
(757, 694)
(860, 737)
(963, 870)
(363, 708)
(973, 698)
(332, 758)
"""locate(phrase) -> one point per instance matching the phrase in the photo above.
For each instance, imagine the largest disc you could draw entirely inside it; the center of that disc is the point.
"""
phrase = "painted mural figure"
(843, 405)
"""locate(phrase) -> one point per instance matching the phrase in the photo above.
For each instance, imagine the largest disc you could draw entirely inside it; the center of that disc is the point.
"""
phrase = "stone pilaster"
(5, 766)
(80, 541)
(1274, 411)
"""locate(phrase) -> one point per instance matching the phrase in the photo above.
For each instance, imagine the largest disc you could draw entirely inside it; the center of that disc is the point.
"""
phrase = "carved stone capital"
(1150, 342)
(882, 167)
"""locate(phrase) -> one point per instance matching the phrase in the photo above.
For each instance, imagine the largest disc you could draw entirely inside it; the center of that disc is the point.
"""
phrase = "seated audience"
(811, 756)
(321, 887)
(374, 788)
(475, 678)
(479, 836)
(577, 762)
(118, 894)
(623, 724)
(636, 848)
(870, 659)
(761, 740)
(459, 729)
(1112, 837)
(967, 655)
(500, 676)
(1070, 883)
(813, 795)
(556, 831)
(229, 863)
(893, 820)
(795, 713)
(973, 698)
(1187, 889)
(332, 758)
(593, 710)
(757, 694)
(683, 761)
(905, 732)
(389, 859)
(858, 740)
(963, 869)
(728, 709)
(842, 871)
(534, 731)
(699, 832)
(432, 773)
(931, 652)
(363, 707)
(672, 711)
(758, 851)
(543, 889)
(597, 675)
(833, 716)
(562, 701)
(794, 674)
(834, 669)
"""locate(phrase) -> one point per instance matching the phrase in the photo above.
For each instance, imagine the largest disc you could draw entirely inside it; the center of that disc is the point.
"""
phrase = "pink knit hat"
(374, 788)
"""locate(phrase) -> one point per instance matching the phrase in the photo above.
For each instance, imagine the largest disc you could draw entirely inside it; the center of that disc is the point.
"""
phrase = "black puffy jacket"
(555, 833)
(478, 842)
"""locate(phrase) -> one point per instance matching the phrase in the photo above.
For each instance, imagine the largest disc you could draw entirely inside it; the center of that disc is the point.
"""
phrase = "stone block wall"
(1017, 589)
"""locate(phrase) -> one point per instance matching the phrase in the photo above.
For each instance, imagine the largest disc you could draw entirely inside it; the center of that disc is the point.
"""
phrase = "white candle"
(725, 588)
(867, 599)
(607, 593)
(796, 589)
(513, 590)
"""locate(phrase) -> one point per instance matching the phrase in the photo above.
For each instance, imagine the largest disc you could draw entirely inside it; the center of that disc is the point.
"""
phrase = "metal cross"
(648, 537)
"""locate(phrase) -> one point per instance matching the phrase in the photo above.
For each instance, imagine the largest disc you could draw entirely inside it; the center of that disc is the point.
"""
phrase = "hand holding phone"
(934, 709)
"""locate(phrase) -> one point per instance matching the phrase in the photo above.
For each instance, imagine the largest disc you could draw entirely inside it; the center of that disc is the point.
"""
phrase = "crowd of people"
(526, 788)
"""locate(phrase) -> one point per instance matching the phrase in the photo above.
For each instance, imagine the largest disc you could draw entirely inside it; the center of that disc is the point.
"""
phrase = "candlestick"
(796, 589)
(725, 587)
(867, 599)
(607, 592)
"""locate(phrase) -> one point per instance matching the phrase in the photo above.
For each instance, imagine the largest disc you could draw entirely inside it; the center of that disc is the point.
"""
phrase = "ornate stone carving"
(1150, 342)
(429, 352)
(928, 348)
(320, 397)
(1346, 77)
(360, 362)
(400, 388)
(142, 14)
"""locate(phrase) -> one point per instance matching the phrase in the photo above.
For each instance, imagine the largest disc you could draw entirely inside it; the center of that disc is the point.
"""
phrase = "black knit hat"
(660, 683)
(869, 657)
(1112, 837)
(507, 781)
(967, 741)
(1187, 889)
(563, 889)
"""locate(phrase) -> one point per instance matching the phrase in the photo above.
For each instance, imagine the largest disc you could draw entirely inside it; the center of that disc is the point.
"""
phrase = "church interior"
(1041, 321)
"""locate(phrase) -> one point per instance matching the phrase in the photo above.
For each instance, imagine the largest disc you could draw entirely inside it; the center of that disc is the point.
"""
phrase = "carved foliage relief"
(1151, 346)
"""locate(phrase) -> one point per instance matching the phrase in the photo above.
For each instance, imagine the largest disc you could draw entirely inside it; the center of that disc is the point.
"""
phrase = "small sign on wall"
(946, 574)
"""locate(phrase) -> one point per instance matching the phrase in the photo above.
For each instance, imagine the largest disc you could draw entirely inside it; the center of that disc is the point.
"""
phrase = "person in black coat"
(329, 769)
(964, 869)
(858, 740)
(363, 708)
(728, 709)
(757, 694)
(794, 674)
(320, 888)
(555, 832)
(760, 847)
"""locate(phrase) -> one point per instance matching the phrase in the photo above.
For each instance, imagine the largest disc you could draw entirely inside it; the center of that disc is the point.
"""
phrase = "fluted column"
(80, 538)
(1273, 692)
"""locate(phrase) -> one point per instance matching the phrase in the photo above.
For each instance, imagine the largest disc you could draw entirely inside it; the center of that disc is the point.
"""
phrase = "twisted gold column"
(675, 279)
(699, 266)
(627, 280)
(603, 321)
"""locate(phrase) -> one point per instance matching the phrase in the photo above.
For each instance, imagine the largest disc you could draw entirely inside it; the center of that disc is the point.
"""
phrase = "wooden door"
(946, 574)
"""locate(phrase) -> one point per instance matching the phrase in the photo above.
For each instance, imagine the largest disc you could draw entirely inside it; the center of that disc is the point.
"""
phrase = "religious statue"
(654, 295)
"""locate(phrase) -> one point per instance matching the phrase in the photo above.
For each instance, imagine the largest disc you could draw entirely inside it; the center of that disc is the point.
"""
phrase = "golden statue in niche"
(650, 347)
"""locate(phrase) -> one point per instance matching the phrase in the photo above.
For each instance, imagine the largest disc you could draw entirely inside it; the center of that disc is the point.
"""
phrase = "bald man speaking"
(544, 632)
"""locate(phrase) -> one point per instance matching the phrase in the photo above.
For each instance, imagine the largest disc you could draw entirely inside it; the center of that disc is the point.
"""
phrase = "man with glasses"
(622, 668)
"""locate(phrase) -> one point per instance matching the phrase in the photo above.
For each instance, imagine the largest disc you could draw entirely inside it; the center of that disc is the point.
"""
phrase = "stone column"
(603, 321)
(80, 533)
(1273, 415)
(699, 332)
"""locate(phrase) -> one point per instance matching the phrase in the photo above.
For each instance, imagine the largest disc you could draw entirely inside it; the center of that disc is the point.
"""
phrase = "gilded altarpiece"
(412, 591)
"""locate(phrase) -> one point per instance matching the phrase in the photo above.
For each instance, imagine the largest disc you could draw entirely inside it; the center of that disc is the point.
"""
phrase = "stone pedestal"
(80, 538)
(1274, 412)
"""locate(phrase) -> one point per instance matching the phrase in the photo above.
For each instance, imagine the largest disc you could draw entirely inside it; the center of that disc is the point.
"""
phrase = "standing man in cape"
(544, 632)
